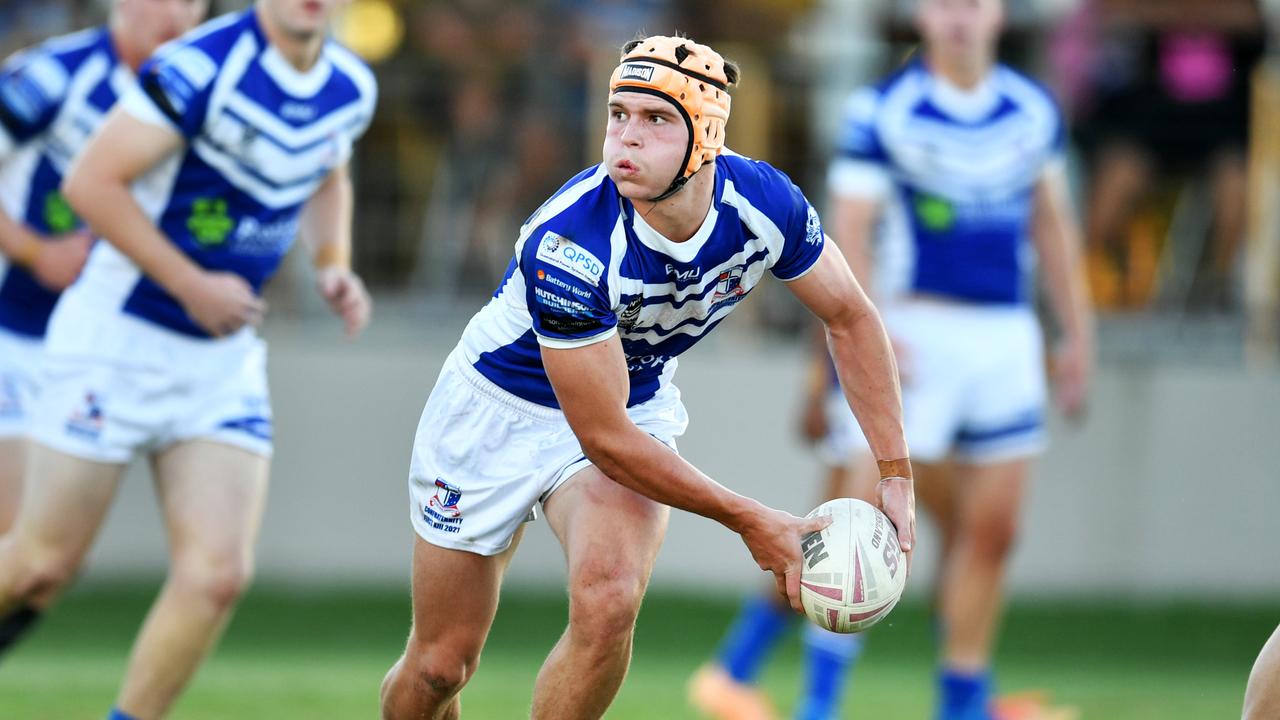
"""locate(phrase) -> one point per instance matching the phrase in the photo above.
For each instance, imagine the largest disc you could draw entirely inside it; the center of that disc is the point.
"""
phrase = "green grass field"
(311, 655)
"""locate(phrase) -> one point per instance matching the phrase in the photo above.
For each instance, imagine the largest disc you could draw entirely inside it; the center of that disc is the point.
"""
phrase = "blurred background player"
(560, 391)
(956, 160)
(52, 98)
(234, 140)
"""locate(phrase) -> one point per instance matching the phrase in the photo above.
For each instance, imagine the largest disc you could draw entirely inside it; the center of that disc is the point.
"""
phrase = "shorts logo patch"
(254, 425)
(87, 420)
(559, 251)
(442, 512)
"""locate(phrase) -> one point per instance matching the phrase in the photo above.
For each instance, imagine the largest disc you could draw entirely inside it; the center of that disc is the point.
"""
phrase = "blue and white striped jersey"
(587, 267)
(958, 170)
(52, 98)
(260, 138)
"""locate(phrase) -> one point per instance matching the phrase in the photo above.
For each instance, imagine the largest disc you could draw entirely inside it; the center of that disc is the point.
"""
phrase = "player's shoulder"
(1024, 89)
(350, 66)
(758, 183)
(585, 210)
(867, 101)
(51, 63)
(72, 50)
(198, 54)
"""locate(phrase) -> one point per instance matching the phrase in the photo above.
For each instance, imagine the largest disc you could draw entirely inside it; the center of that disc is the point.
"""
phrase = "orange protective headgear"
(691, 77)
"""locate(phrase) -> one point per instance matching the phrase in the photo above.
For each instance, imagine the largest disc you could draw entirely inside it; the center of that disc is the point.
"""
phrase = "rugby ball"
(854, 571)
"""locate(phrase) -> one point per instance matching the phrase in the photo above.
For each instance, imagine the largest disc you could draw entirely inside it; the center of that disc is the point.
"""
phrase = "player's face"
(303, 19)
(152, 23)
(961, 27)
(644, 144)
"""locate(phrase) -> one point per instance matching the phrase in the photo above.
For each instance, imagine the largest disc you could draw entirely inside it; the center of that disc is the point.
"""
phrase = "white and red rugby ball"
(854, 571)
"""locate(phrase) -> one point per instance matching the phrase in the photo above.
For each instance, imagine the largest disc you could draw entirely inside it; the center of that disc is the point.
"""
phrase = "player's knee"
(995, 535)
(440, 671)
(40, 573)
(603, 611)
(220, 581)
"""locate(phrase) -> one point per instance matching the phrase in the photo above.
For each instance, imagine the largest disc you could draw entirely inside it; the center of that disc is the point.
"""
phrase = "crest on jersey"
(729, 283)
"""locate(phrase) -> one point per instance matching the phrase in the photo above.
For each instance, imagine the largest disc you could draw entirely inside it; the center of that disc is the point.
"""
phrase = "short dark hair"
(731, 71)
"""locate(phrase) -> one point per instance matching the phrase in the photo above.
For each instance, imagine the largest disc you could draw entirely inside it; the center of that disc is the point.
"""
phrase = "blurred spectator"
(1161, 89)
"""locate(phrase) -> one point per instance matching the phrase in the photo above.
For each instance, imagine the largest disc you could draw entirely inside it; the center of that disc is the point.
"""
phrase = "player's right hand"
(222, 303)
(61, 259)
(773, 537)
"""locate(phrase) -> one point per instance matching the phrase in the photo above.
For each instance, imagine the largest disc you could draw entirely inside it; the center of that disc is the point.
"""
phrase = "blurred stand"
(1160, 94)
(1262, 269)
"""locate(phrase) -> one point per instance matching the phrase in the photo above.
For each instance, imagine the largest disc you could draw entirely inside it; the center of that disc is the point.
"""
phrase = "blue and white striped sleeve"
(861, 165)
(802, 239)
(33, 86)
(173, 89)
(567, 293)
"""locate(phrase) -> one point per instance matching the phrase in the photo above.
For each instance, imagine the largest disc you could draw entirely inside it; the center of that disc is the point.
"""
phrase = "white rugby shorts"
(21, 358)
(484, 459)
(973, 387)
(115, 385)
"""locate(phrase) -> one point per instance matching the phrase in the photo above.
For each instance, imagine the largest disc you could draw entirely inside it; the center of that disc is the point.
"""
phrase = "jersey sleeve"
(173, 89)
(861, 164)
(802, 239)
(567, 291)
(33, 85)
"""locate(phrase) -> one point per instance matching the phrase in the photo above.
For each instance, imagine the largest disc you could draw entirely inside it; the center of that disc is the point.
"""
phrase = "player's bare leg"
(13, 459)
(57, 521)
(455, 596)
(935, 485)
(212, 496)
(611, 537)
(972, 585)
(1262, 694)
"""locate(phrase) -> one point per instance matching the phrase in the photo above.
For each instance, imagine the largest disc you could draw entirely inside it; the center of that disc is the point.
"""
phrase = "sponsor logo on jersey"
(632, 71)
(442, 512)
(687, 274)
(553, 280)
(58, 215)
(935, 213)
(255, 238)
(630, 315)
(87, 420)
(301, 112)
(209, 223)
(559, 251)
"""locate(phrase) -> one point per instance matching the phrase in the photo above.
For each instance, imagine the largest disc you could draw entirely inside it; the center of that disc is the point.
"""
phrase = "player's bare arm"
(325, 227)
(55, 262)
(591, 384)
(97, 188)
(1057, 238)
(864, 361)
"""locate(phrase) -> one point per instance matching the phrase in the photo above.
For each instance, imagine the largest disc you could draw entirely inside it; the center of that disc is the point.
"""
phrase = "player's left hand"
(347, 297)
(897, 499)
(1072, 368)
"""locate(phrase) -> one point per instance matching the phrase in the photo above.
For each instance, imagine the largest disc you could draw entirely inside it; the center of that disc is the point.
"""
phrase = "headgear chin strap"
(692, 78)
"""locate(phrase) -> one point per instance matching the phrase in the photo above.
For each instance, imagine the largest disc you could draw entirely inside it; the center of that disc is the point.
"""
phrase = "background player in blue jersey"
(235, 140)
(958, 161)
(52, 97)
(559, 393)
